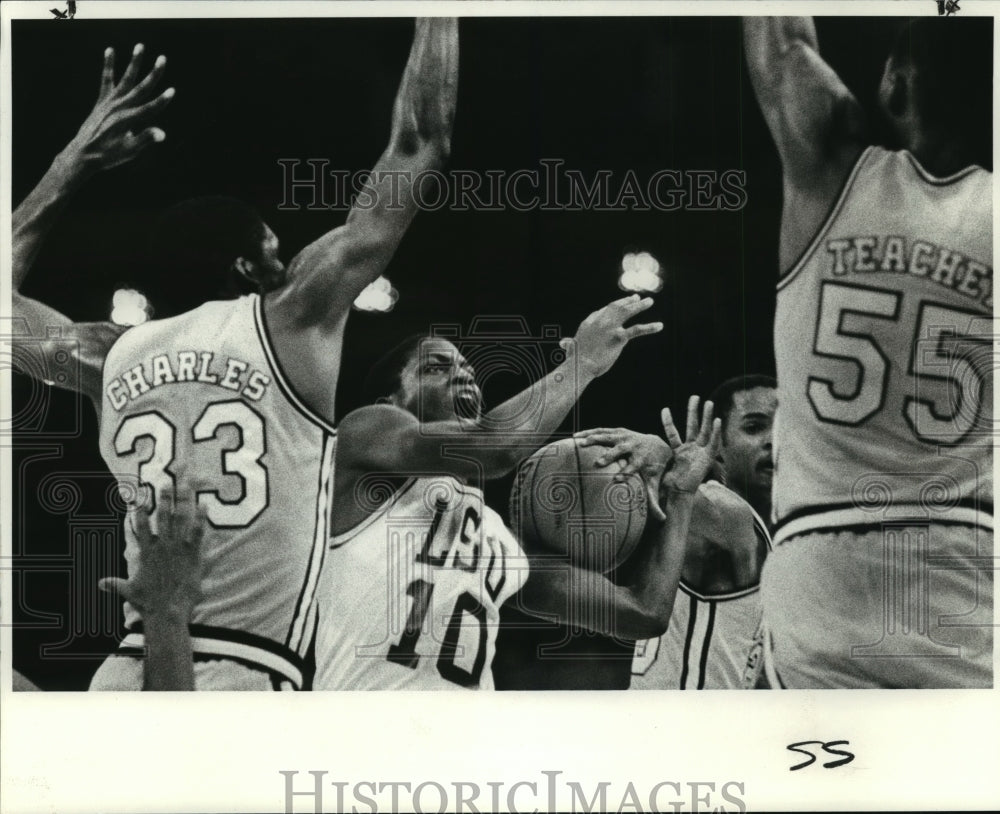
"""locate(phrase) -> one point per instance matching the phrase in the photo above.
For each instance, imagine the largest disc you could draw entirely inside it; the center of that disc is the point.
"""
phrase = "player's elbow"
(504, 461)
(426, 137)
(644, 620)
(651, 624)
(779, 73)
(430, 150)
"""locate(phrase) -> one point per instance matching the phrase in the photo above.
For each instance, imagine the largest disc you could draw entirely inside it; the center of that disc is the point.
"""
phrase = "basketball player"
(414, 540)
(883, 477)
(242, 392)
(712, 640)
(164, 587)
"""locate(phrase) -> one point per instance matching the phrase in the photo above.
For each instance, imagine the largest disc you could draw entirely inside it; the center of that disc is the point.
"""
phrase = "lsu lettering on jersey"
(199, 402)
(712, 642)
(883, 341)
(410, 598)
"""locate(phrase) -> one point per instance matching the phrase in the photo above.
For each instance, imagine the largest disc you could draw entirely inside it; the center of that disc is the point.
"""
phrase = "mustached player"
(714, 638)
(883, 489)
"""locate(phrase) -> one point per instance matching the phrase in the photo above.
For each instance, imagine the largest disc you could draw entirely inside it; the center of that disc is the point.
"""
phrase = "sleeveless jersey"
(199, 402)
(710, 642)
(410, 598)
(883, 341)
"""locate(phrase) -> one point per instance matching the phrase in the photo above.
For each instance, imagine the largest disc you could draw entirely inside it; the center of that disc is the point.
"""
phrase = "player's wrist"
(72, 167)
(167, 617)
(676, 496)
(585, 370)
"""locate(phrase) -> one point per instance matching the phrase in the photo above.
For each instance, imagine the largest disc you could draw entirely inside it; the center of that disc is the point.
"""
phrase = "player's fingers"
(165, 512)
(583, 434)
(615, 452)
(692, 419)
(630, 466)
(622, 303)
(137, 143)
(140, 523)
(152, 106)
(653, 493)
(197, 532)
(144, 89)
(706, 423)
(604, 438)
(644, 329)
(669, 430)
(114, 585)
(107, 73)
(132, 71)
(566, 344)
(636, 305)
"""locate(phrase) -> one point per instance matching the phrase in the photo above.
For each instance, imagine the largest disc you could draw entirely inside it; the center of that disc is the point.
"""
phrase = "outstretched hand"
(113, 132)
(166, 579)
(693, 458)
(602, 336)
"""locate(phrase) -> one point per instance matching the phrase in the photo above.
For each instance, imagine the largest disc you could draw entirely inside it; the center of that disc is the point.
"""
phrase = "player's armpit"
(816, 122)
(71, 353)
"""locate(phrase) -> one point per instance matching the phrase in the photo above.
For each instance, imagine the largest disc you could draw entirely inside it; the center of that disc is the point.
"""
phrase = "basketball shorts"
(894, 606)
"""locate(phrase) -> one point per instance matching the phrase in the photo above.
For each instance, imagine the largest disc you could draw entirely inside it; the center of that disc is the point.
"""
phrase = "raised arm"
(326, 277)
(110, 135)
(642, 608)
(817, 124)
(493, 446)
(811, 114)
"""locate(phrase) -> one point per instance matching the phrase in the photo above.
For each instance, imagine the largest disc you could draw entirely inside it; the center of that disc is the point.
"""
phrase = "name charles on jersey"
(187, 366)
(920, 258)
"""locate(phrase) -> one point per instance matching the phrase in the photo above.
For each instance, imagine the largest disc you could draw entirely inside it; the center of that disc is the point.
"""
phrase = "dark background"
(604, 93)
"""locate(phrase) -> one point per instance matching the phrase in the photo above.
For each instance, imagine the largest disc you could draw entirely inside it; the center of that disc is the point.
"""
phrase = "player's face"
(747, 448)
(270, 271)
(438, 384)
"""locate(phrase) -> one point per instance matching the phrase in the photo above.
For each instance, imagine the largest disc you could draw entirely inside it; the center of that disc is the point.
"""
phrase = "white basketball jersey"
(709, 643)
(883, 341)
(199, 402)
(410, 598)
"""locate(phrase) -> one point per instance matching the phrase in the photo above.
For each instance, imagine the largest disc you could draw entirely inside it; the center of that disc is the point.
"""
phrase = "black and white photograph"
(540, 347)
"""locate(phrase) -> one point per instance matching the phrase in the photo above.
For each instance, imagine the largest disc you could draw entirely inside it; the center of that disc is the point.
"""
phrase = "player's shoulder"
(722, 501)
(372, 417)
(364, 436)
(720, 513)
(199, 324)
(93, 337)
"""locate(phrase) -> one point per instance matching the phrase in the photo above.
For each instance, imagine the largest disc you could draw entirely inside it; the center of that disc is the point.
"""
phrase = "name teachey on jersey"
(865, 254)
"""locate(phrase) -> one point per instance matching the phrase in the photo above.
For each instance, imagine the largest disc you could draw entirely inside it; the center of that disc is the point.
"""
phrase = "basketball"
(567, 504)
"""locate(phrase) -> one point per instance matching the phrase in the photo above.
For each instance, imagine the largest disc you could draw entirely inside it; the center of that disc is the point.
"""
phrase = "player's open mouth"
(468, 393)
